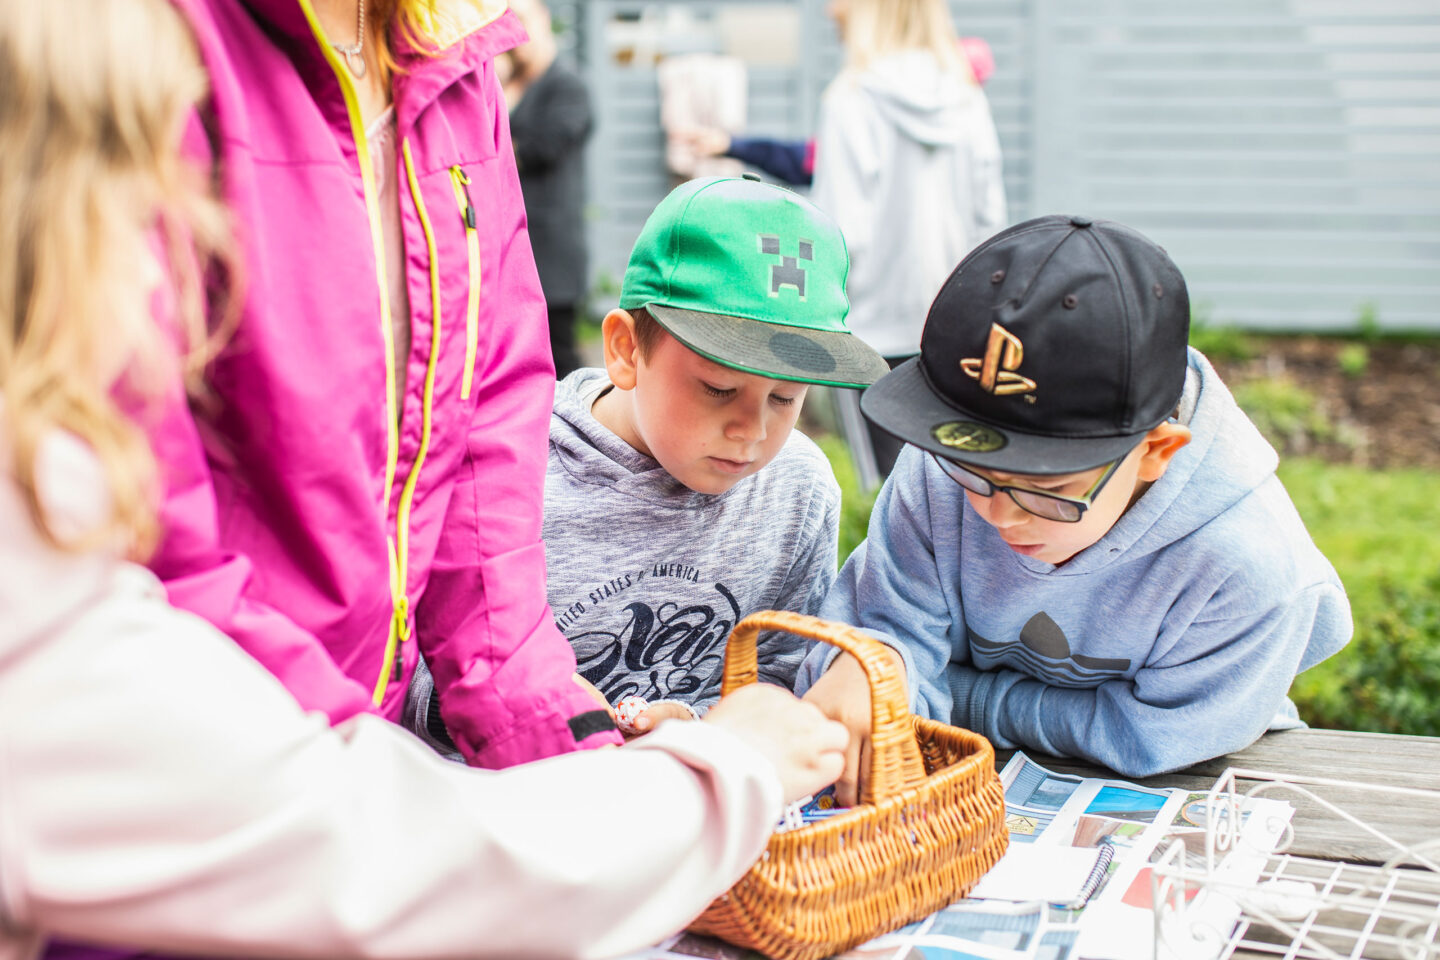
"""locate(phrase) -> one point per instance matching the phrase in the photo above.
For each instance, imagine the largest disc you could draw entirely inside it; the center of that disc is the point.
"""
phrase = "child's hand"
(663, 710)
(636, 716)
(843, 694)
(807, 750)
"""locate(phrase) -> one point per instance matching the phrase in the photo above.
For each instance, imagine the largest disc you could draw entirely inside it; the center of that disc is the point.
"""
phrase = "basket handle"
(895, 762)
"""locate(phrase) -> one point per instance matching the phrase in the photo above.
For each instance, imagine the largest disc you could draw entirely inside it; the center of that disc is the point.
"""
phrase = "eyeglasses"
(1050, 506)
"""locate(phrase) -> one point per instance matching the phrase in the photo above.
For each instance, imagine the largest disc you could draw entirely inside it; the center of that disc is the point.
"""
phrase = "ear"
(622, 350)
(1159, 446)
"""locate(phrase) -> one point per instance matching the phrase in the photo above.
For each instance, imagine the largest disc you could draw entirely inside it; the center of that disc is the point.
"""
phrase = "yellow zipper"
(399, 603)
(461, 183)
(400, 628)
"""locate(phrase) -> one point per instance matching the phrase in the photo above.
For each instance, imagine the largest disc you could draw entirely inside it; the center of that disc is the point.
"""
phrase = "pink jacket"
(298, 518)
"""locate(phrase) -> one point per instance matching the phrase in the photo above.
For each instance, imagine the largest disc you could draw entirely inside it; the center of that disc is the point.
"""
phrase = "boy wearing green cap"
(678, 499)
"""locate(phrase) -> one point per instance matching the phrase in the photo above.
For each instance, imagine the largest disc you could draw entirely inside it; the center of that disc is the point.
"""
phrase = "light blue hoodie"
(1172, 640)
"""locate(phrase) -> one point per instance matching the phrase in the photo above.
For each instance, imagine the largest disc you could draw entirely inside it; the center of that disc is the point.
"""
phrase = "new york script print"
(667, 650)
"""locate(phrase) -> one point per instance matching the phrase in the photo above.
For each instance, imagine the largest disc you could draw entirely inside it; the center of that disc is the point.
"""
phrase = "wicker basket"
(930, 823)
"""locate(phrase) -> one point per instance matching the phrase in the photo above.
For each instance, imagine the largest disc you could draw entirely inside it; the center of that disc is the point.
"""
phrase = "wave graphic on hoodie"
(1043, 651)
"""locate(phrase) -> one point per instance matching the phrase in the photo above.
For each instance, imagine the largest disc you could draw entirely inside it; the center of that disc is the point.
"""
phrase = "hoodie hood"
(926, 103)
(589, 451)
(1226, 460)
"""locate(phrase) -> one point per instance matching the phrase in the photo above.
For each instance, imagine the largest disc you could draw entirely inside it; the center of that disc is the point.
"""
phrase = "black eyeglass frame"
(984, 487)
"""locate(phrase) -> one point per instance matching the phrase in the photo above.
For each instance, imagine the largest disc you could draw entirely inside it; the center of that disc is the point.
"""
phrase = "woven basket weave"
(931, 821)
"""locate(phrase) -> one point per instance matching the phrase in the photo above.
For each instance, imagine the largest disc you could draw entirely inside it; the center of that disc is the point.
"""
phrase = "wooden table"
(1411, 762)
(1371, 758)
(1378, 758)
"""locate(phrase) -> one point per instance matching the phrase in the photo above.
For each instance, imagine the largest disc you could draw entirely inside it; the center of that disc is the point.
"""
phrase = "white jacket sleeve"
(160, 789)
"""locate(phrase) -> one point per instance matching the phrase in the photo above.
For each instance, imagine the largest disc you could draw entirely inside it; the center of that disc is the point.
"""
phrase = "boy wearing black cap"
(677, 498)
(1084, 549)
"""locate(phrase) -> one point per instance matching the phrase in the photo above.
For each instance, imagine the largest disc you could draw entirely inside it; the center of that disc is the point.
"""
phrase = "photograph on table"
(1123, 803)
(1091, 831)
(1034, 786)
(1026, 826)
(1195, 810)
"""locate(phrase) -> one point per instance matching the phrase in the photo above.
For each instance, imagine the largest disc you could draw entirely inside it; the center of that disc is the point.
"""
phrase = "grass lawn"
(1381, 530)
(1374, 525)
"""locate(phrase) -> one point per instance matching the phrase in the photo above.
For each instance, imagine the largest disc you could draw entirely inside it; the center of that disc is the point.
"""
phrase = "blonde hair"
(877, 28)
(97, 211)
(420, 22)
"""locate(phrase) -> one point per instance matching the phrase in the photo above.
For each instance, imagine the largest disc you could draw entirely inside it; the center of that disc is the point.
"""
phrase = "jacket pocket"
(461, 183)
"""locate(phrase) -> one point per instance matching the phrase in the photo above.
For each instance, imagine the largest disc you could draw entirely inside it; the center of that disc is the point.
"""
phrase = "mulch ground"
(1388, 415)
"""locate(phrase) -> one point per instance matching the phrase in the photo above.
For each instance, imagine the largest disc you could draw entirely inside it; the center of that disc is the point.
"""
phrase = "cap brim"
(773, 350)
(906, 406)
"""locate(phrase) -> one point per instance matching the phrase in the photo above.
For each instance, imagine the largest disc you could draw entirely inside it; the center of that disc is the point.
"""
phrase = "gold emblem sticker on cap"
(969, 437)
(996, 373)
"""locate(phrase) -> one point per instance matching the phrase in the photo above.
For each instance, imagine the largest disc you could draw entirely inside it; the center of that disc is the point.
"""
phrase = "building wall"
(1285, 152)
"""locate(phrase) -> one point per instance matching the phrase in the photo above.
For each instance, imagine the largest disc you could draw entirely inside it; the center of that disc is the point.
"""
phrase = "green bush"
(1353, 360)
(1226, 342)
(1377, 528)
(1367, 321)
(1285, 412)
(854, 506)
(1388, 679)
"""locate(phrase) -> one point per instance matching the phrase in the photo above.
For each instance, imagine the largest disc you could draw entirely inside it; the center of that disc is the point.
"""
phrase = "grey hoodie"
(647, 577)
(908, 163)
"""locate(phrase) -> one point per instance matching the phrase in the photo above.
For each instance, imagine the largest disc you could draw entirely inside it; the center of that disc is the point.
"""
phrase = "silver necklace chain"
(353, 52)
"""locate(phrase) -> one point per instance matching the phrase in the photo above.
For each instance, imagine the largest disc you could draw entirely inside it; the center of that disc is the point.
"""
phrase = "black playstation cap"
(1053, 347)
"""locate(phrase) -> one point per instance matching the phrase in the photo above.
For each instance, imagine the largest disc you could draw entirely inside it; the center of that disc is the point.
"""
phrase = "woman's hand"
(808, 751)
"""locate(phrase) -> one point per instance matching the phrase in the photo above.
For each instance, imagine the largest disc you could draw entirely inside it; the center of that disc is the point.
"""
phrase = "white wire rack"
(1255, 902)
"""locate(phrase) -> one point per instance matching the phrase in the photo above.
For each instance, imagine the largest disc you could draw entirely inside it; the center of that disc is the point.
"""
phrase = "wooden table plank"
(1374, 758)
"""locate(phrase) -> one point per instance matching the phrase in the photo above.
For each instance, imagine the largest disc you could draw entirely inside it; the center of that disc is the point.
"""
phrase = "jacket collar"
(466, 33)
(455, 21)
(447, 22)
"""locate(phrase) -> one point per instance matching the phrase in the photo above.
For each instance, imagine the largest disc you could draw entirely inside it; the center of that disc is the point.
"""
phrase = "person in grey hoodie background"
(907, 161)
(1084, 549)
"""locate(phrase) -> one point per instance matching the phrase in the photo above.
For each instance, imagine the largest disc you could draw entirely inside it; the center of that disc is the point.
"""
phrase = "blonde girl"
(98, 214)
(158, 787)
(872, 29)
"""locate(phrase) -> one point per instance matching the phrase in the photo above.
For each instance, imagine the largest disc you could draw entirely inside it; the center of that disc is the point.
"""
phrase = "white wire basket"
(1297, 908)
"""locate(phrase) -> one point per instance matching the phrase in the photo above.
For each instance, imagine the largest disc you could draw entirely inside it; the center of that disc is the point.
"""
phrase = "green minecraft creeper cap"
(751, 276)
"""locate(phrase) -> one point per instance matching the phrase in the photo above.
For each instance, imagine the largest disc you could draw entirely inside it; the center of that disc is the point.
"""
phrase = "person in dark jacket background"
(550, 120)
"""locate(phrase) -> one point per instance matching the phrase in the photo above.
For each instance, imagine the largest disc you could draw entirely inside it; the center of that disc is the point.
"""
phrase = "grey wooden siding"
(1285, 152)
